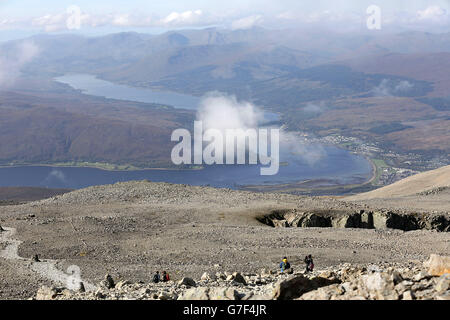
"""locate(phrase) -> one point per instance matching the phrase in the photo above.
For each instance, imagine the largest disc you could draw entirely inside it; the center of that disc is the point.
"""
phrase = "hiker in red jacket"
(165, 277)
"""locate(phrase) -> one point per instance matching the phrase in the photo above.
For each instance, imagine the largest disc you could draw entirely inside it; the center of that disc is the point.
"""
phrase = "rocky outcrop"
(362, 219)
(108, 282)
(187, 282)
(237, 278)
(409, 281)
(433, 191)
(205, 293)
(53, 293)
(388, 284)
(438, 265)
(295, 286)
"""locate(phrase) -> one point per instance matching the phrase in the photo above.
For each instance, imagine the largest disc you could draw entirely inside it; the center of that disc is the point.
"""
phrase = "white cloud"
(432, 18)
(247, 22)
(49, 22)
(121, 20)
(310, 153)
(56, 175)
(285, 16)
(14, 60)
(403, 86)
(183, 18)
(222, 112)
(58, 22)
(7, 22)
(434, 13)
(388, 88)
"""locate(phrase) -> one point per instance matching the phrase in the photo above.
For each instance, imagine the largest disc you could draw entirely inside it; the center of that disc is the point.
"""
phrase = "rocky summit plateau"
(408, 281)
(215, 243)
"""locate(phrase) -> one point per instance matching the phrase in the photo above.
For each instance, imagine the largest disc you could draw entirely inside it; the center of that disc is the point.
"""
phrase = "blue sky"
(36, 16)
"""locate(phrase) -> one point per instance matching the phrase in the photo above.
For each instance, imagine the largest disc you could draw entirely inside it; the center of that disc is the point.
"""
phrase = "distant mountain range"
(391, 88)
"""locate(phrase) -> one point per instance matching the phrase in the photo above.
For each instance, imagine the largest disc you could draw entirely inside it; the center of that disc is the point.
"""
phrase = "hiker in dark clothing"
(165, 277)
(309, 263)
(156, 277)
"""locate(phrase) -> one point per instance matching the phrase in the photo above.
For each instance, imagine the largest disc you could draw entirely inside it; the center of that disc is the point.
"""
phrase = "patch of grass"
(380, 164)
(98, 165)
(439, 104)
(389, 128)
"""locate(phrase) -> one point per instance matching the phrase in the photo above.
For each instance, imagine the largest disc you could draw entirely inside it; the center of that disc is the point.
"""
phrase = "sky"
(24, 17)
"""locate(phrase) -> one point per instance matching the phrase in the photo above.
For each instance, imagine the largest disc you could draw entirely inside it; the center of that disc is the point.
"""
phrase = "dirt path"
(45, 268)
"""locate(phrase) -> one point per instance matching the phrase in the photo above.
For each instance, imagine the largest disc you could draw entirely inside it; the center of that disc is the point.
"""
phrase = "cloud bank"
(428, 17)
(221, 112)
(247, 22)
(62, 21)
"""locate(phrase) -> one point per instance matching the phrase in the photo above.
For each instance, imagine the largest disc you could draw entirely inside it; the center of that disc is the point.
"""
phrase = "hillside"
(19, 194)
(422, 183)
(432, 67)
(389, 91)
(131, 229)
(55, 126)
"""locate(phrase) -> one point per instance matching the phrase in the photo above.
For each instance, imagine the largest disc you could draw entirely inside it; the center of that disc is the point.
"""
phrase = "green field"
(380, 164)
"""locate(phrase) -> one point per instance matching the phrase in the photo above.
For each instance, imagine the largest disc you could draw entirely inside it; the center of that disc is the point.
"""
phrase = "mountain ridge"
(414, 185)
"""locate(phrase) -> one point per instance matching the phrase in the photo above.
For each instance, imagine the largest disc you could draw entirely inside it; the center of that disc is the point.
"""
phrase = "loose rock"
(438, 265)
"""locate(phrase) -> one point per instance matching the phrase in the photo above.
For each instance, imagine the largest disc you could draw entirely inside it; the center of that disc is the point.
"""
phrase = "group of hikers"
(164, 277)
(285, 266)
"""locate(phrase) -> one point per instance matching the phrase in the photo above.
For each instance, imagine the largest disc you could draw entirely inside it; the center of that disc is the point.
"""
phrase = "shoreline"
(299, 186)
(374, 170)
(57, 79)
(289, 187)
(91, 166)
